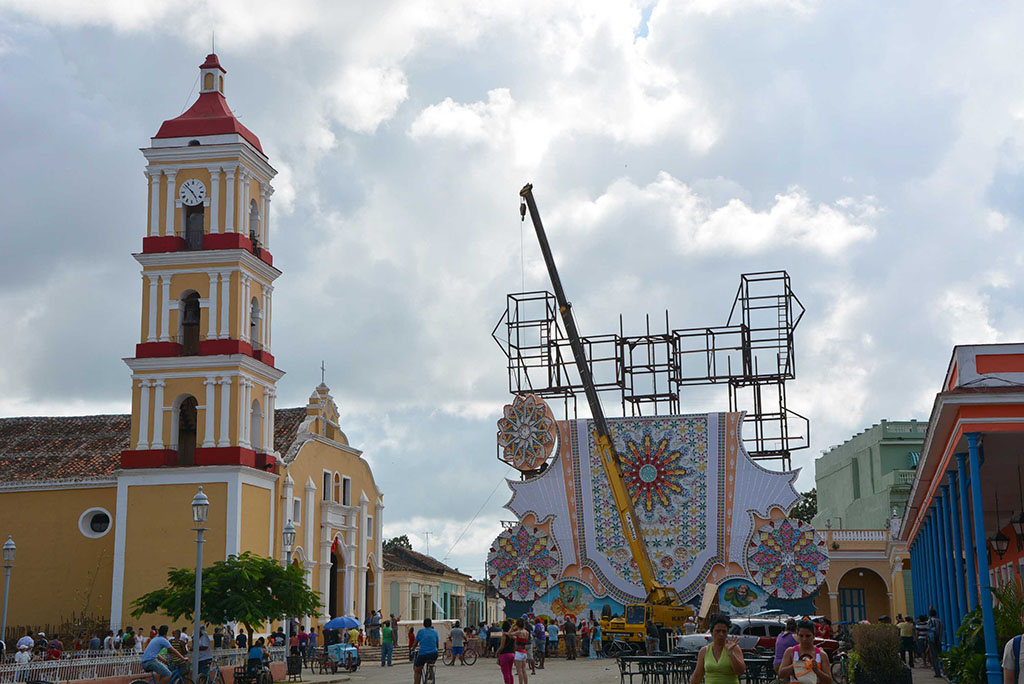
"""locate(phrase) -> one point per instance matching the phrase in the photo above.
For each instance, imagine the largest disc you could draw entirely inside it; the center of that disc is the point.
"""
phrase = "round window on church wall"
(94, 523)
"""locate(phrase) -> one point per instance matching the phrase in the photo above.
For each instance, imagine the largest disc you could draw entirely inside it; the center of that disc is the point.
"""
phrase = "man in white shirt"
(1012, 660)
(28, 641)
(204, 644)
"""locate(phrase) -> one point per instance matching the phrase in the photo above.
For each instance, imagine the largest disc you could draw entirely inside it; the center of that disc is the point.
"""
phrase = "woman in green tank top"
(721, 661)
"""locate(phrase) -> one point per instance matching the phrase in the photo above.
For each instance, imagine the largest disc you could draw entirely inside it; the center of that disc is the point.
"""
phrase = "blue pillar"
(958, 560)
(970, 569)
(988, 621)
(948, 590)
(915, 577)
(938, 595)
(933, 570)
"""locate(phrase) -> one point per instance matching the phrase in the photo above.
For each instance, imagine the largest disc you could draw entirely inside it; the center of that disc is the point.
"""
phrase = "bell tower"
(203, 374)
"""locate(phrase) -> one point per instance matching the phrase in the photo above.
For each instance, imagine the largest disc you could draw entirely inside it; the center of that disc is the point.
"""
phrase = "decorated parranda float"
(714, 522)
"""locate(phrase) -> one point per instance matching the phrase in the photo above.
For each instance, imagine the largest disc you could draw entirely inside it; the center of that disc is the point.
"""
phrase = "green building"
(863, 479)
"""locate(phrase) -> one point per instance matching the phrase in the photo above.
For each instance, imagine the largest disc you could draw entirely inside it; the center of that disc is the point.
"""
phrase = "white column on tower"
(215, 200)
(223, 331)
(225, 411)
(264, 310)
(172, 191)
(165, 286)
(208, 411)
(268, 420)
(154, 202)
(143, 442)
(158, 415)
(243, 305)
(265, 211)
(270, 301)
(243, 414)
(212, 308)
(243, 179)
(229, 196)
(153, 305)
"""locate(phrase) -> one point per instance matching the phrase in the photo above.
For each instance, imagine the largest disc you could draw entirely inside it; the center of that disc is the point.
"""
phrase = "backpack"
(934, 629)
(1016, 658)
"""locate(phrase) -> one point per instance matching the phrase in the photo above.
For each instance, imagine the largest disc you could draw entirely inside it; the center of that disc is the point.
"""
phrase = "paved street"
(486, 670)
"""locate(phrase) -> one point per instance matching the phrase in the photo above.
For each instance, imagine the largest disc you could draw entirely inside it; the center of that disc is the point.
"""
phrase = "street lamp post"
(9, 549)
(288, 537)
(200, 514)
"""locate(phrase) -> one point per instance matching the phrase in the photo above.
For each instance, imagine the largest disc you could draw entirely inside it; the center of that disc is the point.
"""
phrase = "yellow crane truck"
(663, 605)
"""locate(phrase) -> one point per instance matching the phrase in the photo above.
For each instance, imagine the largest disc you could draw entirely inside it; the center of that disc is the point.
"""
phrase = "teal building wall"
(863, 479)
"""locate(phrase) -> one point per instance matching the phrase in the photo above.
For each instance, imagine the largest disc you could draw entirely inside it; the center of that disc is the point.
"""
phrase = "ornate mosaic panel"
(526, 432)
(788, 558)
(523, 563)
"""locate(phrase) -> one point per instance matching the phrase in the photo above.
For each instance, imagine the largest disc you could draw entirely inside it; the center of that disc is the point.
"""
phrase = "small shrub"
(878, 654)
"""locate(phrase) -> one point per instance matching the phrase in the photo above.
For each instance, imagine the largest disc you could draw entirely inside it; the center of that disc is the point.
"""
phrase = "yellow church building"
(99, 505)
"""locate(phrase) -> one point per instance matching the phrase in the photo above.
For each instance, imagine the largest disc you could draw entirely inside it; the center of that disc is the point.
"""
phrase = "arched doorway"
(863, 595)
(187, 417)
(370, 586)
(189, 311)
(256, 426)
(332, 596)
(194, 227)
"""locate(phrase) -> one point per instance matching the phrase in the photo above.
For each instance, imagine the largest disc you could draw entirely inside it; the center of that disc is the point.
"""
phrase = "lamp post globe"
(200, 508)
(200, 514)
(288, 540)
(9, 550)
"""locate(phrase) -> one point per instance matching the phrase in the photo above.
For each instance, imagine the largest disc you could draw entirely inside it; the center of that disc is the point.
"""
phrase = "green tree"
(246, 588)
(807, 507)
(398, 542)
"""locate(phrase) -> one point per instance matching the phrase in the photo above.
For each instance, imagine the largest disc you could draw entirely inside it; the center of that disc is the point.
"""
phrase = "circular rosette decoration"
(523, 563)
(787, 558)
(526, 433)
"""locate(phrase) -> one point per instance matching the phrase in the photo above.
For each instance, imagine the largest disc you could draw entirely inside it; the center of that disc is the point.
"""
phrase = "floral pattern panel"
(526, 433)
(523, 563)
(788, 558)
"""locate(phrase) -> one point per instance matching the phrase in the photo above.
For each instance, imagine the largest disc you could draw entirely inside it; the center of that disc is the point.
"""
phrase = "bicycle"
(154, 678)
(840, 668)
(213, 675)
(468, 654)
(427, 674)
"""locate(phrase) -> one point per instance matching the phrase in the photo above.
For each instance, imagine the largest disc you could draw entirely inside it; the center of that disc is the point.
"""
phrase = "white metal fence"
(80, 665)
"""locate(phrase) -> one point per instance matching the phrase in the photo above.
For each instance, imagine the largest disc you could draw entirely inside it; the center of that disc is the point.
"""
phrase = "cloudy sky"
(870, 149)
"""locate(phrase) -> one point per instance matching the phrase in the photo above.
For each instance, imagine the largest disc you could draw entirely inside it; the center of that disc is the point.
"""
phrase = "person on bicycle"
(203, 645)
(151, 656)
(458, 637)
(428, 640)
(540, 640)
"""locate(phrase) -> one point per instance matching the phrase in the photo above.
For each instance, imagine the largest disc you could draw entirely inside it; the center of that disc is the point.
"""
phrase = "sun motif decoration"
(652, 471)
(526, 432)
(788, 558)
(523, 563)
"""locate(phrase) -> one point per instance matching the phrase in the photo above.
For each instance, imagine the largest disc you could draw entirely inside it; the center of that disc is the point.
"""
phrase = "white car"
(694, 642)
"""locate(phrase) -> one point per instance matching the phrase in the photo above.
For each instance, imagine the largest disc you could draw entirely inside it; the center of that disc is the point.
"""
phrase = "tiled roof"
(286, 425)
(61, 448)
(87, 447)
(397, 558)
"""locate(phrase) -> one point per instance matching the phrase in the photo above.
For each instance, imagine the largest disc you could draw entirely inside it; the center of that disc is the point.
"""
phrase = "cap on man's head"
(42, 634)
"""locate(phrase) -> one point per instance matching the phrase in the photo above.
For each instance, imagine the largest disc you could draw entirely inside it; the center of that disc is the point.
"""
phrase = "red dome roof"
(210, 115)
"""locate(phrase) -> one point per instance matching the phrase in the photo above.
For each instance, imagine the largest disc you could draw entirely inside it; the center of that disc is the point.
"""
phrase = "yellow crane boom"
(656, 593)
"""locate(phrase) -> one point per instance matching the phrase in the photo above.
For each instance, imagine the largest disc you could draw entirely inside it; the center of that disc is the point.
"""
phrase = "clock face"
(192, 192)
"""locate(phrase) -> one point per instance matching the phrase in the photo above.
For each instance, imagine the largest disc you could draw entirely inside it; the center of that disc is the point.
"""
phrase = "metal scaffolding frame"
(753, 354)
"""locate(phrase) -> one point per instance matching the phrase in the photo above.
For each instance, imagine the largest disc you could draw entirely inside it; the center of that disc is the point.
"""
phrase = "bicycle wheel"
(470, 656)
(219, 679)
(448, 658)
(839, 672)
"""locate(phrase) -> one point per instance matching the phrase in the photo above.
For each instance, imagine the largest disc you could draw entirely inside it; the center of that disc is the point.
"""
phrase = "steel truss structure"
(752, 354)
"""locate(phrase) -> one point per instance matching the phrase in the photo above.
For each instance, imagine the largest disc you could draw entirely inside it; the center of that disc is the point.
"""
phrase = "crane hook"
(522, 209)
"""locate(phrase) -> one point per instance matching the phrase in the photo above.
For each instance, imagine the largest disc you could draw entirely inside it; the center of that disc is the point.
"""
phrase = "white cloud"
(364, 97)
(793, 220)
(473, 123)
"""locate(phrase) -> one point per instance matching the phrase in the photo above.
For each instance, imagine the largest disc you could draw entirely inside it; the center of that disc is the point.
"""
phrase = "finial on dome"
(212, 75)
